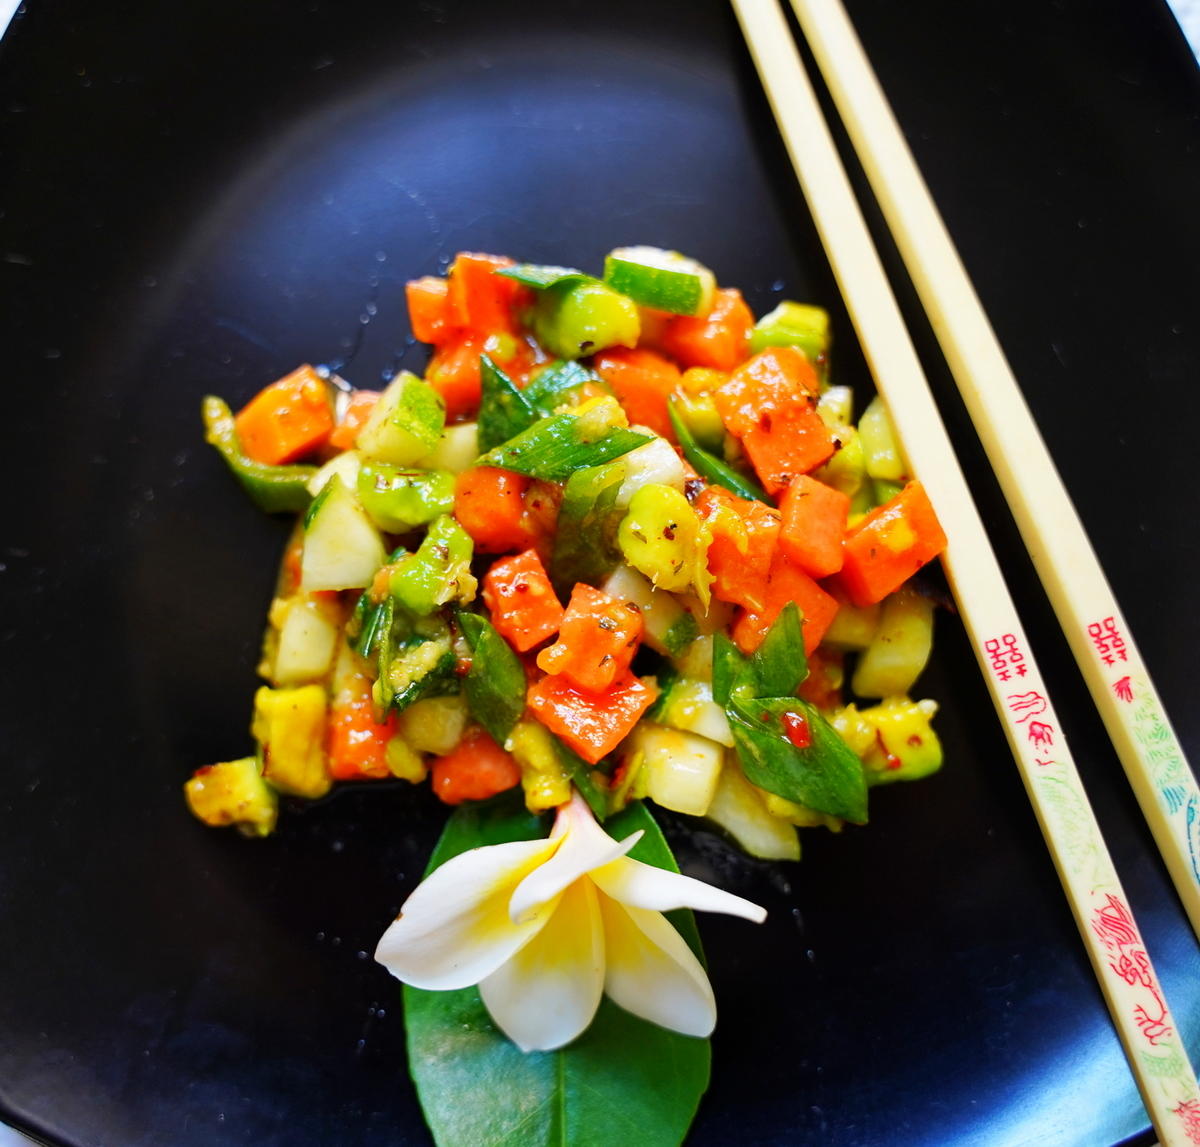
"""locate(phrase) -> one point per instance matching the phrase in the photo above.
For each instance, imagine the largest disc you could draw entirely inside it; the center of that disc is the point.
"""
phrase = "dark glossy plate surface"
(196, 197)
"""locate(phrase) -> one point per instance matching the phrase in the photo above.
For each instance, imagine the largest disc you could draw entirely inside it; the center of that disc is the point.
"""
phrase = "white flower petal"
(455, 927)
(641, 885)
(584, 846)
(652, 973)
(547, 994)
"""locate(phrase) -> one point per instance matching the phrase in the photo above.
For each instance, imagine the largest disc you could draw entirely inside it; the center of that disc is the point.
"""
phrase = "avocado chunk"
(233, 792)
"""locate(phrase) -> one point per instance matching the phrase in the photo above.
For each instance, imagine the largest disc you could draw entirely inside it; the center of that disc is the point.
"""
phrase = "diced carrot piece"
(793, 441)
(814, 525)
(890, 544)
(480, 300)
(453, 372)
(597, 639)
(643, 381)
(357, 743)
(362, 402)
(429, 309)
(718, 340)
(489, 504)
(592, 724)
(454, 369)
(772, 381)
(475, 769)
(522, 601)
(787, 583)
(287, 419)
(744, 535)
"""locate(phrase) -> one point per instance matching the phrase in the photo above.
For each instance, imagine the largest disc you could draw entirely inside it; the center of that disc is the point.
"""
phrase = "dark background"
(196, 197)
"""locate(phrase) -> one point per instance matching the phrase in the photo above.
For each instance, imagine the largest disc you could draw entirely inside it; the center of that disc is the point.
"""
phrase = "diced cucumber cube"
(456, 449)
(342, 547)
(307, 642)
(882, 456)
(689, 706)
(345, 465)
(664, 280)
(793, 324)
(738, 809)
(678, 770)
(899, 648)
(406, 422)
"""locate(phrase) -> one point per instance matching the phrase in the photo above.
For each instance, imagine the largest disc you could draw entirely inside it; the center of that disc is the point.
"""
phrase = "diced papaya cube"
(475, 769)
(357, 743)
(787, 582)
(814, 525)
(890, 544)
(287, 419)
(429, 309)
(643, 381)
(481, 301)
(522, 602)
(772, 381)
(718, 339)
(792, 441)
(744, 536)
(453, 372)
(597, 639)
(591, 724)
(358, 410)
(489, 504)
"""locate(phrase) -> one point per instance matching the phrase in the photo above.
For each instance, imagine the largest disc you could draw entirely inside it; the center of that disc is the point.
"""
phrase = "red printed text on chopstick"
(1106, 637)
(1006, 657)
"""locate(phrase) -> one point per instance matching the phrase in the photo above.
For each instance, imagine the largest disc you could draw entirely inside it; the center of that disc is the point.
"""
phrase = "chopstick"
(1110, 934)
(1114, 670)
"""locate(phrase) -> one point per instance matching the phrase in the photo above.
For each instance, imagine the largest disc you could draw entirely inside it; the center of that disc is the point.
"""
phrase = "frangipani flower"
(546, 927)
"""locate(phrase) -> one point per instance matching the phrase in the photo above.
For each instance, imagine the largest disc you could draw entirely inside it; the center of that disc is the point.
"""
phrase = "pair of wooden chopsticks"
(1065, 561)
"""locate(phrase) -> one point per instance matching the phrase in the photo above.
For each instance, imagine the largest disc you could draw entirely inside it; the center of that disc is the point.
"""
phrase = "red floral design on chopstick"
(1189, 1113)
(1114, 925)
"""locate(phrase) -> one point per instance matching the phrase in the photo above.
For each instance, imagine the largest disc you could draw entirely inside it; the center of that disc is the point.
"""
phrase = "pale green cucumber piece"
(900, 647)
(456, 449)
(664, 280)
(836, 407)
(852, 627)
(846, 470)
(307, 642)
(406, 423)
(345, 465)
(678, 770)
(793, 324)
(689, 706)
(882, 457)
(342, 547)
(739, 810)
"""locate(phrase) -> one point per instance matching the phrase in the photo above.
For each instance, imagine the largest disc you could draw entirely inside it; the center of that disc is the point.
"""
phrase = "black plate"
(198, 196)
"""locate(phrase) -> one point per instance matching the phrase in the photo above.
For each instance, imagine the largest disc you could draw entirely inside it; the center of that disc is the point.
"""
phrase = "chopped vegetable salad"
(621, 536)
